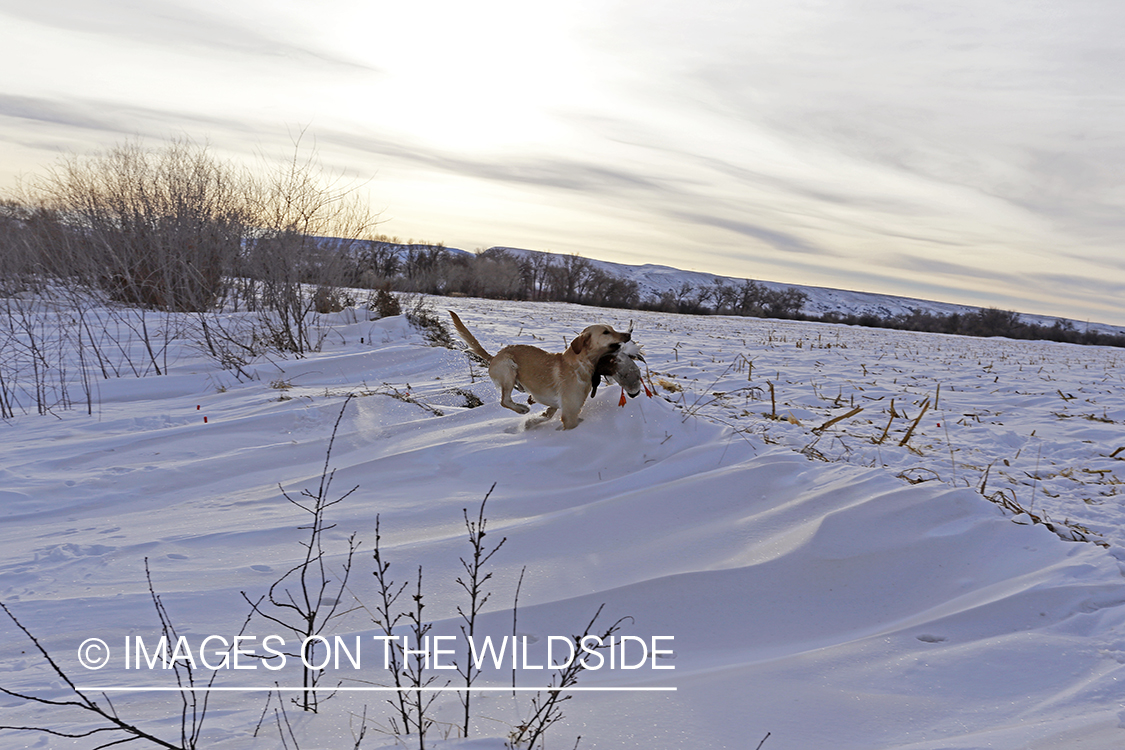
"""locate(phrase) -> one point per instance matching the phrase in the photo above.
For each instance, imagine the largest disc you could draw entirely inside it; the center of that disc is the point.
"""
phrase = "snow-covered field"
(829, 587)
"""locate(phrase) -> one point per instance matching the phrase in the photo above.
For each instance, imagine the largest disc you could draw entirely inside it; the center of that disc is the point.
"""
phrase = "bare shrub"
(156, 228)
(308, 228)
(422, 316)
(384, 303)
(100, 719)
(327, 299)
(303, 600)
(474, 584)
(17, 261)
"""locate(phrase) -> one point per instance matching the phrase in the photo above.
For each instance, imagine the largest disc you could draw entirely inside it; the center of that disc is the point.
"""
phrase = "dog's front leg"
(569, 415)
(569, 423)
(572, 400)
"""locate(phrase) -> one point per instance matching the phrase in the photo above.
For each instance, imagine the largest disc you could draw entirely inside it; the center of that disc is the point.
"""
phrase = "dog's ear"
(580, 343)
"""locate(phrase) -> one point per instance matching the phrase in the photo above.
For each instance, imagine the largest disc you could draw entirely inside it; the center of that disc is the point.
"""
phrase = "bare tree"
(308, 229)
(159, 228)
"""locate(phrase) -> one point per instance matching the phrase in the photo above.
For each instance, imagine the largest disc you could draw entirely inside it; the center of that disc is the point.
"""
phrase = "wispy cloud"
(772, 238)
(47, 111)
(175, 26)
(110, 120)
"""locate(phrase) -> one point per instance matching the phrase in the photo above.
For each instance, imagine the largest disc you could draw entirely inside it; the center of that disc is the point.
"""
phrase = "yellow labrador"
(561, 382)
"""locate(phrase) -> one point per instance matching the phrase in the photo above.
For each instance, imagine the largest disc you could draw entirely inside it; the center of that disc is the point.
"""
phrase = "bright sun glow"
(488, 75)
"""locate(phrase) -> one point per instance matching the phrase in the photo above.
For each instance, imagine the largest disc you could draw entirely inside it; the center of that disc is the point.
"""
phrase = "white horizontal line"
(379, 689)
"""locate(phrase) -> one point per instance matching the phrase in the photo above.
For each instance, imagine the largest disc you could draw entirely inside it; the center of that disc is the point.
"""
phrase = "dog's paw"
(515, 406)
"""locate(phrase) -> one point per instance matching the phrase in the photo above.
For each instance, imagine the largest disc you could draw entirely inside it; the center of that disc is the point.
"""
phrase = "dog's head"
(596, 341)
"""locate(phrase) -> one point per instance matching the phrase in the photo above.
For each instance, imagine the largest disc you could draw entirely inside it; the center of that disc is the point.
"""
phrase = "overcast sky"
(967, 152)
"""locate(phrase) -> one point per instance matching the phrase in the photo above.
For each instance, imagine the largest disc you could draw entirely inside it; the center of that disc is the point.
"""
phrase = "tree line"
(984, 322)
(500, 273)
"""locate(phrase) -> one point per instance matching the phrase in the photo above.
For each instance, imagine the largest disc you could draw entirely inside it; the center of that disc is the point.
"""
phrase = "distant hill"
(653, 280)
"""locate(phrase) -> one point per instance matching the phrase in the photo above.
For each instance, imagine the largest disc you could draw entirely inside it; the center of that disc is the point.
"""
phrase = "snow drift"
(827, 604)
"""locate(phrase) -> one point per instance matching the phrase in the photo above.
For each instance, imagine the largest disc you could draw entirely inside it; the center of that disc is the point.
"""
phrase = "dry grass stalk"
(834, 420)
(925, 408)
(887, 429)
(984, 480)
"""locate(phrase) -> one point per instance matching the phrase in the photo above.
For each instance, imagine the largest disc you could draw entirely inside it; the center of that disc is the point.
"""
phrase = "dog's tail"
(470, 339)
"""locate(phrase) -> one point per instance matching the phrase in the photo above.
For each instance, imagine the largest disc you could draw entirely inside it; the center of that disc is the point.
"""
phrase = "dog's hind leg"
(507, 401)
(503, 372)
